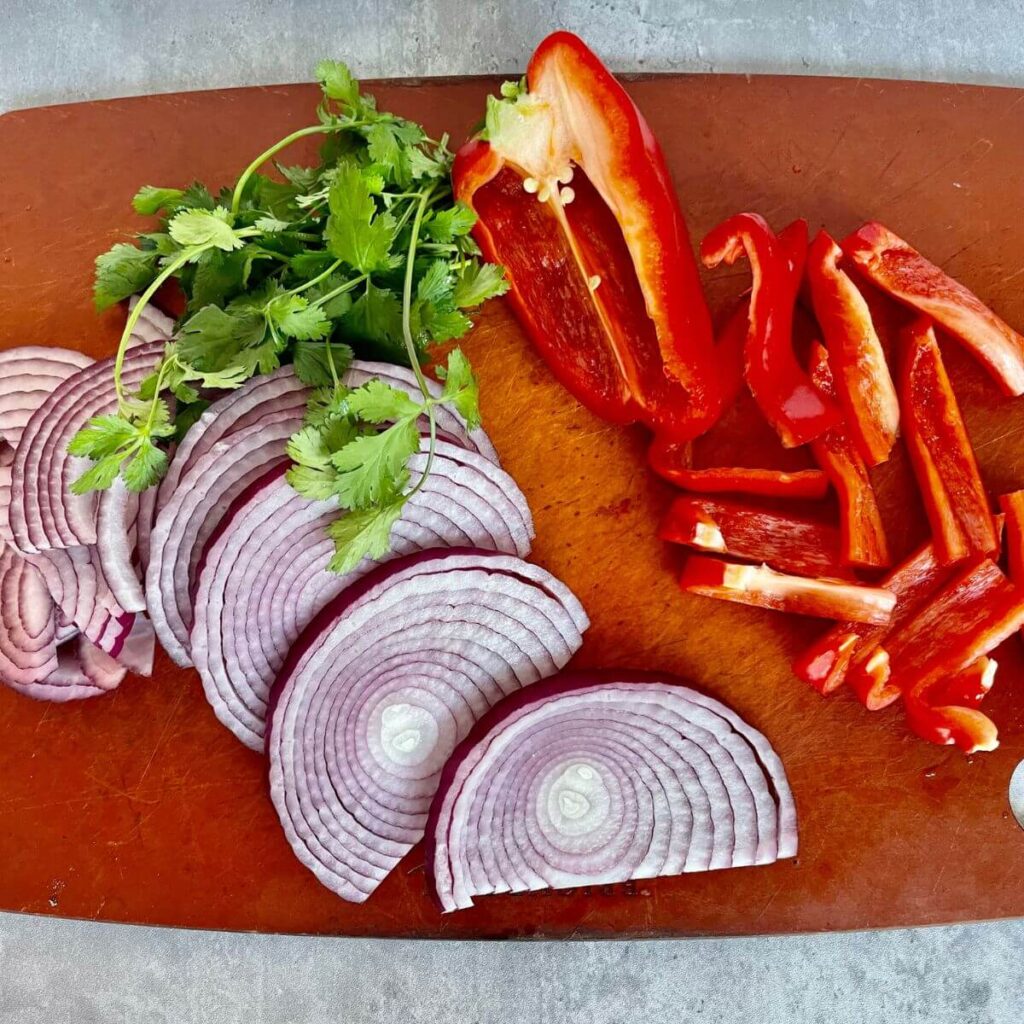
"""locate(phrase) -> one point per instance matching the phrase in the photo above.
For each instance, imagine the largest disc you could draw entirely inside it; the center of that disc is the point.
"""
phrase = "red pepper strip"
(601, 272)
(789, 543)
(941, 453)
(1013, 506)
(897, 268)
(969, 729)
(766, 483)
(763, 587)
(967, 689)
(863, 532)
(864, 385)
(783, 391)
(825, 664)
(968, 618)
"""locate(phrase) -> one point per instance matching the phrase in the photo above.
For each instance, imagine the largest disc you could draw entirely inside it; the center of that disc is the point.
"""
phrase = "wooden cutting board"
(139, 807)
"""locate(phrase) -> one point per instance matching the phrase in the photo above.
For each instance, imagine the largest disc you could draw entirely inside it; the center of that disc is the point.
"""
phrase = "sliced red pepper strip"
(899, 269)
(863, 383)
(1013, 507)
(967, 728)
(809, 484)
(968, 688)
(783, 390)
(764, 588)
(574, 198)
(974, 613)
(863, 532)
(789, 543)
(825, 664)
(941, 453)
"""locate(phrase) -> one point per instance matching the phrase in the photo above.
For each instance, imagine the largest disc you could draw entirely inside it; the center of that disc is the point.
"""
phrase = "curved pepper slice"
(763, 587)
(899, 269)
(967, 689)
(941, 453)
(1013, 508)
(863, 383)
(864, 542)
(826, 663)
(967, 728)
(574, 198)
(766, 483)
(783, 390)
(789, 543)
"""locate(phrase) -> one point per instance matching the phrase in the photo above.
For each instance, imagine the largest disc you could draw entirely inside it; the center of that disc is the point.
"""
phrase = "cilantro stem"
(341, 289)
(316, 280)
(315, 129)
(410, 346)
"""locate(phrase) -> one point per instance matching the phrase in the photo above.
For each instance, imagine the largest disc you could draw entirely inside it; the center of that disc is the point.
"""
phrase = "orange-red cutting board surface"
(139, 807)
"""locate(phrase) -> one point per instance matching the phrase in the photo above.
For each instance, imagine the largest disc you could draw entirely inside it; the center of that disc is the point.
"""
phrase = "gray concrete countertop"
(66, 972)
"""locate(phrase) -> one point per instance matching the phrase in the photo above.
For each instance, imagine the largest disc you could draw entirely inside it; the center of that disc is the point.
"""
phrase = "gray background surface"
(58, 971)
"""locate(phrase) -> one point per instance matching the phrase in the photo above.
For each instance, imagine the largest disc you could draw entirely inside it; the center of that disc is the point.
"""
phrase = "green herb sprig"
(366, 253)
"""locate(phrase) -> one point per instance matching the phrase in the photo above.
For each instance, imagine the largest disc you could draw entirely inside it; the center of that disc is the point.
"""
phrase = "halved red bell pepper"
(899, 269)
(941, 453)
(826, 663)
(784, 392)
(765, 588)
(1013, 507)
(787, 542)
(837, 453)
(862, 380)
(574, 198)
(974, 613)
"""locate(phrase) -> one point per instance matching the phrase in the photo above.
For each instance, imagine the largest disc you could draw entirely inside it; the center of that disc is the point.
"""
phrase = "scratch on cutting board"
(163, 735)
(983, 148)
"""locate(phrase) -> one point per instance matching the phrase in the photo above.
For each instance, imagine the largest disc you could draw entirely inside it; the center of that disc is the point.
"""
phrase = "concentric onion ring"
(264, 576)
(44, 512)
(27, 375)
(384, 683)
(596, 778)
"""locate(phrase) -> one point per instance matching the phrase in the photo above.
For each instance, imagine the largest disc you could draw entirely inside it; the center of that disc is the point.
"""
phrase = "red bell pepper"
(899, 269)
(783, 390)
(863, 383)
(766, 483)
(974, 613)
(968, 688)
(574, 198)
(789, 543)
(763, 587)
(1013, 507)
(941, 453)
(837, 453)
(826, 663)
(969, 729)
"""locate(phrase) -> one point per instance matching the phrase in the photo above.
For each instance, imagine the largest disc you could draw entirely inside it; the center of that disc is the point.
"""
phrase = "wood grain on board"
(139, 807)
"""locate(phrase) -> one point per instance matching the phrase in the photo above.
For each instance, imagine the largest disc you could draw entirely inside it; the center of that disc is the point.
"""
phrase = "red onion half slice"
(189, 517)
(595, 778)
(27, 375)
(152, 325)
(44, 512)
(264, 575)
(384, 683)
(118, 512)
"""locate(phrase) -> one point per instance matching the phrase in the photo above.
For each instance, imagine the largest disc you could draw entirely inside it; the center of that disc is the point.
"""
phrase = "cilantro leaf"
(444, 324)
(377, 402)
(204, 227)
(313, 483)
(371, 468)
(479, 282)
(376, 316)
(312, 365)
(337, 83)
(213, 339)
(365, 533)
(150, 200)
(99, 476)
(103, 436)
(437, 283)
(356, 232)
(461, 388)
(296, 318)
(448, 224)
(145, 468)
(123, 271)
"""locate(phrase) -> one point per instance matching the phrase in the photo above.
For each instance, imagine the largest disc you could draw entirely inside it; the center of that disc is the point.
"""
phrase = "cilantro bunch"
(365, 253)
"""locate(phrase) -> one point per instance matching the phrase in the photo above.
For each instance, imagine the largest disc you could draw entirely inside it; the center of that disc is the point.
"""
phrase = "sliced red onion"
(28, 643)
(44, 513)
(597, 778)
(385, 681)
(117, 515)
(152, 325)
(191, 513)
(6, 464)
(27, 375)
(264, 576)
